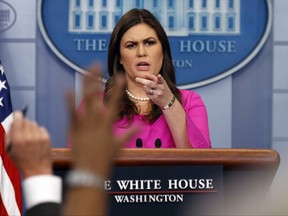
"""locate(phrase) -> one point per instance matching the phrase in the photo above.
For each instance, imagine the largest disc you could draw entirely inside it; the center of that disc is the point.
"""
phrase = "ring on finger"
(151, 91)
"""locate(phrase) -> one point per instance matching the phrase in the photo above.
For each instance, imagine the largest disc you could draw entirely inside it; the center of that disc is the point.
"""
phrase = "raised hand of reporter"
(94, 145)
(31, 146)
(91, 130)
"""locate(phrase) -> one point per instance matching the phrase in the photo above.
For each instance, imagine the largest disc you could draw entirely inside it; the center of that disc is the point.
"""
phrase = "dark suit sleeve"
(45, 209)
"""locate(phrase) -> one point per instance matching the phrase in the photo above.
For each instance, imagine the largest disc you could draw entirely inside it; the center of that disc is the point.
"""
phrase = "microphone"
(139, 143)
(158, 143)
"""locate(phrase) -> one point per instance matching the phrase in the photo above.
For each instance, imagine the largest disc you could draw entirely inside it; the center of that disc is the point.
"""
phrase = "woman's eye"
(130, 46)
(150, 42)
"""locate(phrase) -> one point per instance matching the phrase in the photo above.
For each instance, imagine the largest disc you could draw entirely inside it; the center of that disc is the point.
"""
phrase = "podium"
(245, 176)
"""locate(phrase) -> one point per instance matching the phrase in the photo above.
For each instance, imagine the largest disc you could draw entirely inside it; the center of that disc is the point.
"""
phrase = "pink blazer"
(197, 126)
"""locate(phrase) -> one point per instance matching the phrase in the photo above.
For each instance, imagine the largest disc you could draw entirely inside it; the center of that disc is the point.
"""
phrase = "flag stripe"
(7, 192)
(7, 122)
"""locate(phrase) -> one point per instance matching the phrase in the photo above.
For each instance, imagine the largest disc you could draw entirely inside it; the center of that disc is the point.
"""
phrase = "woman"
(166, 116)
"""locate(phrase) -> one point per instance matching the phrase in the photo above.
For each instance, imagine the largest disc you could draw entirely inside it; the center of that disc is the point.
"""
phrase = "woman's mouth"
(144, 66)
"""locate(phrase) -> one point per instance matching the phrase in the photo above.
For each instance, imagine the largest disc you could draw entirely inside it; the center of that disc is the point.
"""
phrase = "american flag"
(10, 182)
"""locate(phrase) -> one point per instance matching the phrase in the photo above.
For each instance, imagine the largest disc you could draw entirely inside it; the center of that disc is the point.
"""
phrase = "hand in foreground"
(30, 150)
(91, 130)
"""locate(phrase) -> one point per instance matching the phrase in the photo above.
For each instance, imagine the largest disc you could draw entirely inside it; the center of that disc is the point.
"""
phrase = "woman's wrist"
(171, 102)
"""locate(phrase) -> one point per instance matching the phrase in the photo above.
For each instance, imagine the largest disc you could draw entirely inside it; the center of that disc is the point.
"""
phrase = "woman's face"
(140, 52)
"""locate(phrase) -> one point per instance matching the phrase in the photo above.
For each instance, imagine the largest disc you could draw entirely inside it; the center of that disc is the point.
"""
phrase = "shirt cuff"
(42, 188)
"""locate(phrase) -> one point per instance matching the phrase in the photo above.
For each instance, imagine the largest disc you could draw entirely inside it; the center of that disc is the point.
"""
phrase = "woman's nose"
(142, 50)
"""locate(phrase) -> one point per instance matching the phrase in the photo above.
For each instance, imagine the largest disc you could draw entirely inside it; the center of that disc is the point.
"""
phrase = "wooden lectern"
(247, 173)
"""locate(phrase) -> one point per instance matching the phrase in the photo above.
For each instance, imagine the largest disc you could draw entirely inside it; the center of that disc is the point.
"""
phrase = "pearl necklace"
(137, 98)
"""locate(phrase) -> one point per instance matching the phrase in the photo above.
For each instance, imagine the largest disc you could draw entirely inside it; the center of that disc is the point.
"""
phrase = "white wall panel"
(25, 24)
(280, 20)
(218, 100)
(24, 97)
(19, 63)
(280, 75)
(280, 116)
